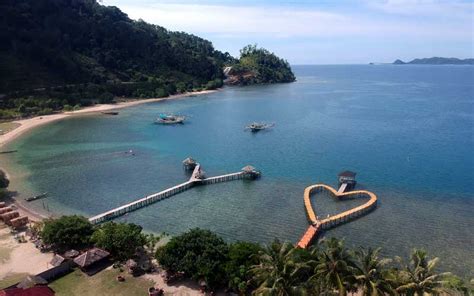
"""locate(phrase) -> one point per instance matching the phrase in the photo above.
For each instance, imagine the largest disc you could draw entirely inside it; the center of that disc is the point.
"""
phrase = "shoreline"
(27, 125)
(31, 123)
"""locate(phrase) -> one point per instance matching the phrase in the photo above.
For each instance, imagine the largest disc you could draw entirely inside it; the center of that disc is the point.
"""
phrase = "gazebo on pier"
(189, 164)
(347, 177)
(251, 172)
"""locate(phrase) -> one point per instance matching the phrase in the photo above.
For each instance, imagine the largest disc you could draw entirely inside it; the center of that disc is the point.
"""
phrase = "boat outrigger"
(170, 119)
(36, 197)
(258, 126)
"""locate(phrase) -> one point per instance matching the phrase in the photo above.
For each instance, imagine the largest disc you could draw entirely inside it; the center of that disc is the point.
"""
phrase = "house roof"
(90, 257)
(347, 174)
(57, 260)
(248, 168)
(31, 281)
(189, 160)
(34, 291)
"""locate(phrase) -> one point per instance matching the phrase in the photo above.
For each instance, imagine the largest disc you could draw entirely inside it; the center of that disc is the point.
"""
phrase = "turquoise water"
(406, 130)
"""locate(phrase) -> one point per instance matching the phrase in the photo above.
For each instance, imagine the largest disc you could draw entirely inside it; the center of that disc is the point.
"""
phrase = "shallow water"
(406, 130)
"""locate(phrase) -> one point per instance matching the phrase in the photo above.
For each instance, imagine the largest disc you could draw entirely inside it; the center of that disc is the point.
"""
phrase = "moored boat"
(170, 119)
(258, 126)
(36, 197)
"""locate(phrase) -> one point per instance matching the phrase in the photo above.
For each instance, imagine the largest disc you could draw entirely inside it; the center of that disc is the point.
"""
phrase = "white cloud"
(286, 21)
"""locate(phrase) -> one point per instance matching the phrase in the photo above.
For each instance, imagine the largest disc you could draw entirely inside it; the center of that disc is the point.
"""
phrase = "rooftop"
(90, 257)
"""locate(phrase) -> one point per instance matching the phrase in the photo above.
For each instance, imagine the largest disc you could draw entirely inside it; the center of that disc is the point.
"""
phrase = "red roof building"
(34, 291)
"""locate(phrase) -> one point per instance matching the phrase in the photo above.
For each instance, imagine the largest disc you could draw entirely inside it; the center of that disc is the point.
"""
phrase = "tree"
(67, 232)
(419, 276)
(200, 254)
(334, 268)
(4, 182)
(242, 255)
(277, 272)
(370, 273)
(120, 239)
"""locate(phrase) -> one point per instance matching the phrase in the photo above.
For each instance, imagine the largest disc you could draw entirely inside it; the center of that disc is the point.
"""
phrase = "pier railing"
(333, 221)
(147, 200)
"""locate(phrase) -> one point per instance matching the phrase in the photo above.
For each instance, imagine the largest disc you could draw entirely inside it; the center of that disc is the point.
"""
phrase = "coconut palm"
(370, 273)
(278, 273)
(420, 276)
(334, 270)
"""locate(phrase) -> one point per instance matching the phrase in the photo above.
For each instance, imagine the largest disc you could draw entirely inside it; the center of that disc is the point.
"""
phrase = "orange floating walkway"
(333, 221)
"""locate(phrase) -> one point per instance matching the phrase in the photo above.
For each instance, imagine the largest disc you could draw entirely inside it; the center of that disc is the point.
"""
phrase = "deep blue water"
(408, 132)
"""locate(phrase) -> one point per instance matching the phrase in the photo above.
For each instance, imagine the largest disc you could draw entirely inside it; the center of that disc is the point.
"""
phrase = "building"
(347, 177)
(92, 261)
(33, 291)
(250, 172)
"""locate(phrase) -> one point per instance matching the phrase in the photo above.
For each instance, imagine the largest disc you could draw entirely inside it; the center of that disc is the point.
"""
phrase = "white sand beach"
(31, 123)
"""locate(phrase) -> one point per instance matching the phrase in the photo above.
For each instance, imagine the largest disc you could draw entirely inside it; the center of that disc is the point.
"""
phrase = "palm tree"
(370, 273)
(278, 272)
(420, 277)
(334, 270)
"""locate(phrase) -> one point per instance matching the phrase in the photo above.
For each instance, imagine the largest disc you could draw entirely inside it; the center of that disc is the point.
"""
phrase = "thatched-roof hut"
(132, 266)
(57, 260)
(250, 172)
(71, 254)
(189, 163)
(91, 257)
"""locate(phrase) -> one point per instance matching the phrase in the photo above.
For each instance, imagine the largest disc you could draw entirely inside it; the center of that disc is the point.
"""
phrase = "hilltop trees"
(258, 65)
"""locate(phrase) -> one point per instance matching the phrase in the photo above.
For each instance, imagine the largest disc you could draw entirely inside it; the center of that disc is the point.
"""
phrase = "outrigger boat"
(258, 126)
(170, 119)
(110, 112)
(36, 197)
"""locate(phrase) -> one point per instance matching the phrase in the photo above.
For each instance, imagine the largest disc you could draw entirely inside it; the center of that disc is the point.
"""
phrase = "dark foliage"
(4, 182)
(200, 254)
(67, 232)
(120, 239)
(77, 52)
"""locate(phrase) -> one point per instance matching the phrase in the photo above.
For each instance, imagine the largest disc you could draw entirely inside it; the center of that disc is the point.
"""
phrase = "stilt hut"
(250, 172)
(347, 177)
(5, 210)
(19, 222)
(189, 164)
(7, 217)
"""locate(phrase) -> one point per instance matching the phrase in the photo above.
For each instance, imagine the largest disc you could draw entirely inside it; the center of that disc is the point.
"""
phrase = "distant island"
(436, 61)
(63, 55)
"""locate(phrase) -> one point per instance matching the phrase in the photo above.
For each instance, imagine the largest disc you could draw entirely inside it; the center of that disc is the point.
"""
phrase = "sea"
(407, 131)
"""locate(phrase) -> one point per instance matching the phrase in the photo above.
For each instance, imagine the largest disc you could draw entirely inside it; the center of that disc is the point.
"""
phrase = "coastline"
(29, 124)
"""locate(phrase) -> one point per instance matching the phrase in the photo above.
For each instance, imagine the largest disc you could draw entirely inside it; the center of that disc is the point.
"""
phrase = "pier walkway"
(317, 224)
(195, 179)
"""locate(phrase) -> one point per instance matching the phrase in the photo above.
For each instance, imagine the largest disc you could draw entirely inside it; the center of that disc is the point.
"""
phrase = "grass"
(103, 283)
(5, 127)
(11, 279)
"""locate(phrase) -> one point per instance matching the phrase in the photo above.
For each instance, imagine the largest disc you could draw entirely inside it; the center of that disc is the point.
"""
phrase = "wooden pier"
(195, 179)
(320, 224)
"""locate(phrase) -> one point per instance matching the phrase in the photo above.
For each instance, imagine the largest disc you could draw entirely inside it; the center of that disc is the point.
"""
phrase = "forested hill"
(258, 65)
(63, 54)
(57, 42)
(437, 61)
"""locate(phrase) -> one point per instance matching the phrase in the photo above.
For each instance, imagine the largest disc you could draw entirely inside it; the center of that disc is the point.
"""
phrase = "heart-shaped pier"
(333, 221)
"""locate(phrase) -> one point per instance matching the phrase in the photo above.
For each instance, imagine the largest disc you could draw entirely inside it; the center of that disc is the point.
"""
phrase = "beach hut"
(57, 260)
(92, 261)
(250, 172)
(71, 254)
(189, 164)
(132, 266)
(7, 217)
(19, 222)
(5, 210)
(347, 177)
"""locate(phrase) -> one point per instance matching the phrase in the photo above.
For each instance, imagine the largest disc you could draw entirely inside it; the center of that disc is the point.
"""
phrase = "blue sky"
(321, 32)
